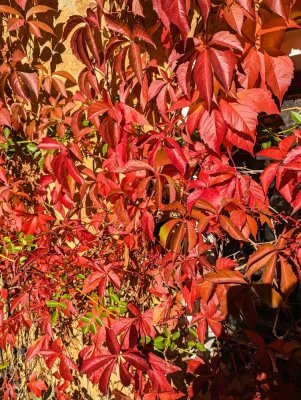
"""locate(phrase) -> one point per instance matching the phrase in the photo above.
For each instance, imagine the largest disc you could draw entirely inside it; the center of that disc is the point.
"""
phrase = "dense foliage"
(149, 211)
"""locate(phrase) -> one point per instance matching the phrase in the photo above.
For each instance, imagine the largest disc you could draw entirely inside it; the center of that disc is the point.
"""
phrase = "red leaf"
(247, 5)
(215, 326)
(21, 3)
(135, 61)
(35, 348)
(72, 170)
(225, 276)
(279, 73)
(205, 6)
(203, 76)
(288, 278)
(226, 39)
(259, 100)
(280, 7)
(97, 108)
(239, 116)
(38, 10)
(104, 379)
(117, 26)
(92, 281)
(177, 158)
(148, 225)
(137, 8)
(260, 258)
(51, 144)
(183, 77)
(41, 25)
(234, 16)
(72, 22)
(31, 80)
(251, 67)
(14, 24)
(93, 364)
(5, 117)
(223, 63)
(9, 10)
(176, 13)
(131, 115)
(135, 165)
(159, 364)
(268, 175)
(125, 376)
(140, 33)
(212, 128)
(65, 370)
(112, 342)
(137, 361)
(230, 228)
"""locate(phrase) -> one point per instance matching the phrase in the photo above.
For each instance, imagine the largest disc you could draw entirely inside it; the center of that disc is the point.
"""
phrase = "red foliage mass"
(126, 209)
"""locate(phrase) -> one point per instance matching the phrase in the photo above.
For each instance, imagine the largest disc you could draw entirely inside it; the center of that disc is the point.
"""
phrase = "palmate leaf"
(135, 186)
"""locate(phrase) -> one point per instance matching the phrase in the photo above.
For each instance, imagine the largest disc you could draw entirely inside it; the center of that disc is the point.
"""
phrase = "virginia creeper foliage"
(149, 210)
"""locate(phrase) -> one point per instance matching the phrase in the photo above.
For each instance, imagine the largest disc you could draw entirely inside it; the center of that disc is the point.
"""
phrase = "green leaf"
(104, 149)
(200, 347)
(191, 343)
(85, 329)
(122, 310)
(160, 346)
(54, 317)
(32, 147)
(52, 303)
(114, 298)
(176, 335)
(85, 319)
(6, 132)
(193, 332)
(159, 342)
(145, 340)
(4, 366)
(93, 328)
(296, 117)
(99, 321)
(266, 145)
(172, 346)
